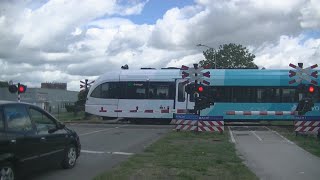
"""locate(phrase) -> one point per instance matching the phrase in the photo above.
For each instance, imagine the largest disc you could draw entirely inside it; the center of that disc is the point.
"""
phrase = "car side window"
(17, 118)
(1, 121)
(42, 121)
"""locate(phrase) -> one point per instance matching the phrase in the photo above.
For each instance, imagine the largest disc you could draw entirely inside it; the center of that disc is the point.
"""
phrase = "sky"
(71, 40)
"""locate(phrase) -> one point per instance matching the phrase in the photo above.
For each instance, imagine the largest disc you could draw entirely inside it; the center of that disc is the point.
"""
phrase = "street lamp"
(215, 58)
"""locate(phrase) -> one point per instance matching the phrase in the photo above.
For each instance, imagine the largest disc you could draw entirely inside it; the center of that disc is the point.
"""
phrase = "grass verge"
(69, 116)
(184, 155)
(308, 142)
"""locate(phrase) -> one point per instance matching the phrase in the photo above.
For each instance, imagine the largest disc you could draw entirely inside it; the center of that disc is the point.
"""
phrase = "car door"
(4, 142)
(54, 142)
(21, 137)
(182, 99)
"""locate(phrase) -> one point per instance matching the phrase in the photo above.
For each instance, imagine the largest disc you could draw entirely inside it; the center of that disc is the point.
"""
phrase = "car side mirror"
(61, 126)
(50, 131)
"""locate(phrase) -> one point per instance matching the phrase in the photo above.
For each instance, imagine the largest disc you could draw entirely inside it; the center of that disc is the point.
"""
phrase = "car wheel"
(6, 172)
(70, 157)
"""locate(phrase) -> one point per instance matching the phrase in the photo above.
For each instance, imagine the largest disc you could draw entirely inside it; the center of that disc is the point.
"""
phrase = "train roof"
(232, 77)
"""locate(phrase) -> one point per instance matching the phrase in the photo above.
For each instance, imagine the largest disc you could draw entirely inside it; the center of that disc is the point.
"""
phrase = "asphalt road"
(272, 156)
(104, 146)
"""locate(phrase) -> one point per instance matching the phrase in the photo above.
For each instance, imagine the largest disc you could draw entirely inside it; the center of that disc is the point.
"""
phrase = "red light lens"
(311, 89)
(21, 89)
(200, 89)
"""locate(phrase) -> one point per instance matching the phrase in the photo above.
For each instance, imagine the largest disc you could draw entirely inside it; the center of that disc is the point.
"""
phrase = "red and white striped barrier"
(198, 125)
(307, 126)
(211, 123)
(178, 111)
(186, 125)
(210, 126)
(262, 113)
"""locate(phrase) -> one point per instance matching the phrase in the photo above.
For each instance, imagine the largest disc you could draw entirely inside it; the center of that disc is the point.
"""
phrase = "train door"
(182, 99)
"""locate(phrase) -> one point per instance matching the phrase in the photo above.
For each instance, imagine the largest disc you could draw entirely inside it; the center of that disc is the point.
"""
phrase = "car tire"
(7, 172)
(70, 157)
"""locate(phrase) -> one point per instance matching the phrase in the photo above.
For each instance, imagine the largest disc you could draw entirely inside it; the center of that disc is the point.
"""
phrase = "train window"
(244, 94)
(96, 93)
(160, 90)
(181, 92)
(113, 92)
(104, 90)
(136, 90)
(191, 97)
(268, 95)
(223, 94)
(108, 90)
(289, 95)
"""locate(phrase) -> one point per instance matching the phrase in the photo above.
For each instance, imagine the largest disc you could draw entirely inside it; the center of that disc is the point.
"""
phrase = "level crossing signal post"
(85, 85)
(197, 89)
(17, 88)
(308, 93)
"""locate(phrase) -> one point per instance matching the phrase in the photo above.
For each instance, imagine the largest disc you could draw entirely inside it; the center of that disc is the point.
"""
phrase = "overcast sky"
(70, 40)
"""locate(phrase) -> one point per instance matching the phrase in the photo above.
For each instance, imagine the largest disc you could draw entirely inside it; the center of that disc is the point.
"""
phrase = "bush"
(70, 108)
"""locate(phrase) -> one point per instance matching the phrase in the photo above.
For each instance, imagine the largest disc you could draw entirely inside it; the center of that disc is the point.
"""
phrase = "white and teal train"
(151, 93)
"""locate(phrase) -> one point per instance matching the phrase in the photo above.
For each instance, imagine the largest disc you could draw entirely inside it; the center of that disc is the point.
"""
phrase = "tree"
(82, 97)
(229, 56)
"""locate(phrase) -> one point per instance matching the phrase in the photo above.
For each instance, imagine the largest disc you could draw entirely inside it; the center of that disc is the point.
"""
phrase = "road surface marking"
(255, 134)
(231, 135)
(92, 152)
(287, 140)
(93, 132)
(122, 153)
(101, 152)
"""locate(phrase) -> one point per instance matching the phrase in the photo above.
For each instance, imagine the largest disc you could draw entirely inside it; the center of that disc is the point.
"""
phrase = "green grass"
(69, 116)
(308, 142)
(184, 155)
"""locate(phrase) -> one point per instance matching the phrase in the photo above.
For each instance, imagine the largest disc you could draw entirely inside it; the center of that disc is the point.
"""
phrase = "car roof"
(2, 102)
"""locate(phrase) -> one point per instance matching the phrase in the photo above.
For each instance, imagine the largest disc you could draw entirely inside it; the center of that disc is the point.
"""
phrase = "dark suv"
(31, 138)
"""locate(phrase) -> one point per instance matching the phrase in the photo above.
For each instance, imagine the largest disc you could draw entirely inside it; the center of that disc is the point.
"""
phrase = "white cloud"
(311, 14)
(76, 32)
(186, 60)
(288, 50)
(133, 8)
(69, 40)
(57, 18)
(247, 22)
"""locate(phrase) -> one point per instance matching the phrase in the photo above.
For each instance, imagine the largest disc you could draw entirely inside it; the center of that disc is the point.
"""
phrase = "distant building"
(54, 85)
(52, 100)
(4, 84)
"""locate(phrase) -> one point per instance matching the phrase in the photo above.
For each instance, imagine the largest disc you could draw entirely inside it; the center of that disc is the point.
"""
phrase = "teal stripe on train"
(220, 109)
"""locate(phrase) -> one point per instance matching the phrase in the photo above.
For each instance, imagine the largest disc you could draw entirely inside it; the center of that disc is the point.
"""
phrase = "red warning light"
(200, 89)
(21, 88)
(311, 89)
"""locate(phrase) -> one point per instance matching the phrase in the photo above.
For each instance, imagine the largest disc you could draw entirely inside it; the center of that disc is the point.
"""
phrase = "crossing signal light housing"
(13, 89)
(200, 89)
(312, 92)
(189, 89)
(311, 89)
(305, 105)
(21, 88)
(205, 99)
